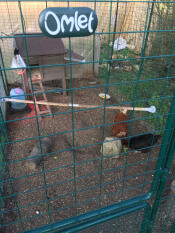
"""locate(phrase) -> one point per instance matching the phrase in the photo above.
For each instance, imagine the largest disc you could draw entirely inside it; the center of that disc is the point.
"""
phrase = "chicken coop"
(48, 51)
(87, 116)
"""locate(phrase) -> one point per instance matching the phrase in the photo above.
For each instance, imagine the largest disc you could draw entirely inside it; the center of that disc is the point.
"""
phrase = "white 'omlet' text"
(77, 22)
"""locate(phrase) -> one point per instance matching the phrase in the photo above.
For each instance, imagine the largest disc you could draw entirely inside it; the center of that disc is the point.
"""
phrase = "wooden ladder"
(36, 79)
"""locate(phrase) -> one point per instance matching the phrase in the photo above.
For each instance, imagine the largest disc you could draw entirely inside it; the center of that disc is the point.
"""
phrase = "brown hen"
(121, 129)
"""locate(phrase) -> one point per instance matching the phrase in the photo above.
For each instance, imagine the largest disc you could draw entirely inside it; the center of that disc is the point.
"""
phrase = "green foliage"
(121, 54)
(150, 87)
(124, 53)
(164, 19)
(162, 107)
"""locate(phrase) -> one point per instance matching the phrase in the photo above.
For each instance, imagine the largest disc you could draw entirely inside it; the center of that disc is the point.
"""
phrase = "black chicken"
(141, 142)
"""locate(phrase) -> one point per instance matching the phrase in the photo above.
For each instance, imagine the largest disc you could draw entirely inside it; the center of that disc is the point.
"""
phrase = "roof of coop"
(42, 45)
(74, 56)
(39, 45)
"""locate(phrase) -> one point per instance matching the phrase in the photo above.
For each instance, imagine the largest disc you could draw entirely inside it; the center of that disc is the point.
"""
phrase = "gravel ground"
(27, 191)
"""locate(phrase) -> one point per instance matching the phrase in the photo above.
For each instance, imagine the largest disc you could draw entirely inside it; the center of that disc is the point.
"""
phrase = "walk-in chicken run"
(74, 142)
(87, 112)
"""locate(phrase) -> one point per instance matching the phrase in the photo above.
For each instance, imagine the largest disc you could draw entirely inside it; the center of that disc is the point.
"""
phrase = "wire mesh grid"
(75, 176)
(165, 215)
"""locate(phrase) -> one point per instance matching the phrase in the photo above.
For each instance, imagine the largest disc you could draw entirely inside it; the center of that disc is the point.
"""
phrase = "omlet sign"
(68, 21)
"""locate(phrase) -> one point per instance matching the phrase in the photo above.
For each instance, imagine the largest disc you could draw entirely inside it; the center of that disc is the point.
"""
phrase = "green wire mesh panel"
(3, 132)
(3, 86)
(166, 211)
(75, 177)
(3, 139)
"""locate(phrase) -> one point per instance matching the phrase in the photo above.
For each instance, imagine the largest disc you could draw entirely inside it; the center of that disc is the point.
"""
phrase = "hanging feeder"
(20, 72)
(17, 62)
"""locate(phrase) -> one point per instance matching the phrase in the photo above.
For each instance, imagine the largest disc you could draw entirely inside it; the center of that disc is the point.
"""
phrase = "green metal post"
(104, 112)
(94, 40)
(115, 26)
(144, 44)
(4, 76)
(37, 123)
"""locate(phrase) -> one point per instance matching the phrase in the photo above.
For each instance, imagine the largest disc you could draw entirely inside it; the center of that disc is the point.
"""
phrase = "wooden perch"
(151, 109)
